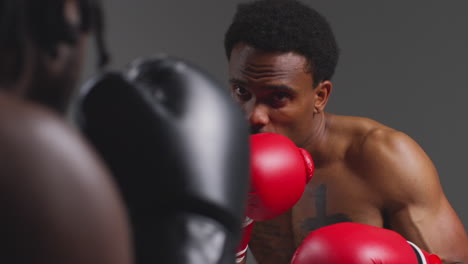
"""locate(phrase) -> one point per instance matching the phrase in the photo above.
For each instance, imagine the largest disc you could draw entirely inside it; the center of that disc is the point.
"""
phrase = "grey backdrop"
(403, 63)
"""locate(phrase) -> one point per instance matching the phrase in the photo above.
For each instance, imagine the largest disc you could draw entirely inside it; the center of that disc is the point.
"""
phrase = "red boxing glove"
(247, 227)
(279, 172)
(353, 243)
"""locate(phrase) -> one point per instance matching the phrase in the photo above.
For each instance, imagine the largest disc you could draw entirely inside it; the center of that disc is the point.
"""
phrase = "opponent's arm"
(58, 204)
(412, 196)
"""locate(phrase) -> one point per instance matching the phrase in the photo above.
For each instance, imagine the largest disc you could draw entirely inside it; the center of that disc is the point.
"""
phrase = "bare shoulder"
(358, 126)
(20, 120)
(56, 189)
(29, 130)
(382, 146)
(353, 130)
(358, 135)
(394, 164)
(35, 141)
(386, 158)
(370, 140)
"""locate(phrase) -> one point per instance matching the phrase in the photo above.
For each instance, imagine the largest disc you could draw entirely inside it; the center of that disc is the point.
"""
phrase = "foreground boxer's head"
(41, 46)
(282, 56)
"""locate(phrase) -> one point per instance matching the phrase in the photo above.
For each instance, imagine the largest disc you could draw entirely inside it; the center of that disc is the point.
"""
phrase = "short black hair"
(43, 24)
(285, 26)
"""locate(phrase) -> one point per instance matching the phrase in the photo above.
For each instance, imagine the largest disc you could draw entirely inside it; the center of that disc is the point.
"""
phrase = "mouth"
(254, 131)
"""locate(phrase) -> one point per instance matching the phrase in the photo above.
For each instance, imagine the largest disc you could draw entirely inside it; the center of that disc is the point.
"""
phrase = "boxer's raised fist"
(279, 172)
(353, 243)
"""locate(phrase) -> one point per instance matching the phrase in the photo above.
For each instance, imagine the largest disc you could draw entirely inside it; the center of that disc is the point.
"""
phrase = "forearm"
(243, 261)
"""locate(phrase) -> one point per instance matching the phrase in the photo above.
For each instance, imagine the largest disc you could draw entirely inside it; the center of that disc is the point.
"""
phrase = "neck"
(317, 144)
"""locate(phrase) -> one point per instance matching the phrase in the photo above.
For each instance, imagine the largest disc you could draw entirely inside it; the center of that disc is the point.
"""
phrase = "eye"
(241, 93)
(279, 99)
(279, 96)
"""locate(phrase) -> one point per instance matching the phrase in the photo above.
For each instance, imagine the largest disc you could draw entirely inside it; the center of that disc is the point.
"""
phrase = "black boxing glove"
(178, 147)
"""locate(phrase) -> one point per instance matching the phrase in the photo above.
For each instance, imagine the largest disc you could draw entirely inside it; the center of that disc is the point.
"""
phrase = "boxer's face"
(55, 77)
(276, 92)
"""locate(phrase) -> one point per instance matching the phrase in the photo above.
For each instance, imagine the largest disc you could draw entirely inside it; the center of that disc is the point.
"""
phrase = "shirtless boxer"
(282, 56)
(57, 202)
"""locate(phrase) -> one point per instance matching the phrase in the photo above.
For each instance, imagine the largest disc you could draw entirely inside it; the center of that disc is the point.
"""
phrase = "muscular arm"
(57, 202)
(270, 251)
(412, 196)
(272, 241)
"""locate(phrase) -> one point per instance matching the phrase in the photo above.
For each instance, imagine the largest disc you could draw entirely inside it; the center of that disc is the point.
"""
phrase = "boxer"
(58, 202)
(282, 56)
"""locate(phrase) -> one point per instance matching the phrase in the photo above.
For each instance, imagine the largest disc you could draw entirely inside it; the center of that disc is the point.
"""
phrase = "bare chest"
(334, 195)
(332, 198)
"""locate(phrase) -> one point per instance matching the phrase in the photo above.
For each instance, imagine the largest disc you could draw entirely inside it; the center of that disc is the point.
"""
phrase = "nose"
(258, 117)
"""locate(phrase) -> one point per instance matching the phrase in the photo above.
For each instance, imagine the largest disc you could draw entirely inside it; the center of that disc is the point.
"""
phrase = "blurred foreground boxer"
(178, 147)
(57, 201)
(282, 56)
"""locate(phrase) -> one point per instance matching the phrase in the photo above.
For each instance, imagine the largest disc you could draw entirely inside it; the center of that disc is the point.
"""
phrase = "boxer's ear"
(322, 93)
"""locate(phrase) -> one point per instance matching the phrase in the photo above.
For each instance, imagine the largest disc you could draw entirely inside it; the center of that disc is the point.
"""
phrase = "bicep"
(434, 227)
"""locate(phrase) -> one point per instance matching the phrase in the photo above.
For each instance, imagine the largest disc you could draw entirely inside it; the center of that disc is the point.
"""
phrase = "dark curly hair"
(43, 24)
(284, 26)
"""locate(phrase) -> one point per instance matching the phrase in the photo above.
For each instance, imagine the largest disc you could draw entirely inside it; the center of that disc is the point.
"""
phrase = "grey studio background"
(403, 63)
